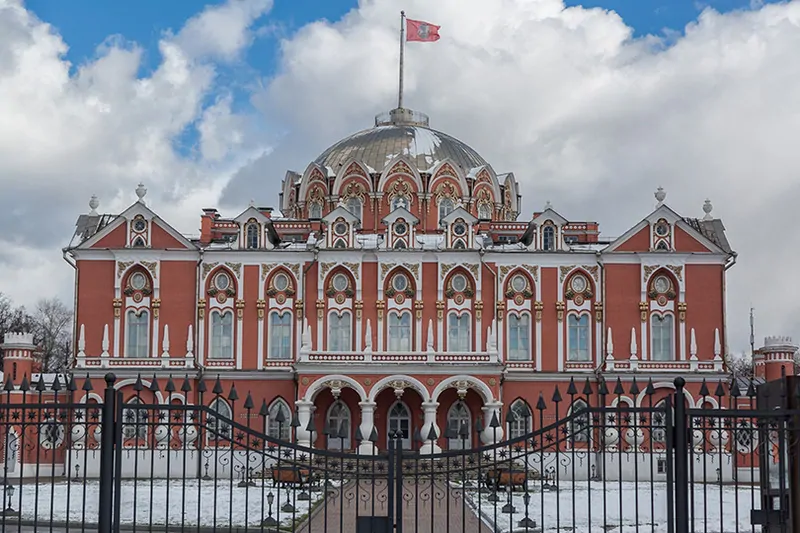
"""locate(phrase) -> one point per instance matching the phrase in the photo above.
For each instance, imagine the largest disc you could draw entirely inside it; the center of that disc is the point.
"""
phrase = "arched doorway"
(458, 416)
(399, 420)
(338, 418)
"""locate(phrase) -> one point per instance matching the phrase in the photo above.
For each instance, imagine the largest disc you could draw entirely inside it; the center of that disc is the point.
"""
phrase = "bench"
(290, 476)
(500, 478)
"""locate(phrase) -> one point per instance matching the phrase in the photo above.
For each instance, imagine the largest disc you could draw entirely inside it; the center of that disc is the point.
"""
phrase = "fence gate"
(593, 457)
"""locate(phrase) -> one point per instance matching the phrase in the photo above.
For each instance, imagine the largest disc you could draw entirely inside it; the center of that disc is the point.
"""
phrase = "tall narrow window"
(578, 341)
(221, 335)
(579, 422)
(521, 421)
(314, 210)
(138, 334)
(280, 336)
(459, 424)
(519, 331)
(280, 421)
(355, 207)
(662, 331)
(338, 426)
(400, 332)
(252, 236)
(218, 421)
(446, 206)
(339, 336)
(549, 238)
(458, 333)
(485, 211)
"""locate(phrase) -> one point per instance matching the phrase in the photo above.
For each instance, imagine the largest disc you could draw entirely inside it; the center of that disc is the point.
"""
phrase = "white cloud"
(584, 115)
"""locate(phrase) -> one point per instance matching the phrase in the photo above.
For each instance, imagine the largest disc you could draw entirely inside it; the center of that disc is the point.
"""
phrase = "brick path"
(425, 509)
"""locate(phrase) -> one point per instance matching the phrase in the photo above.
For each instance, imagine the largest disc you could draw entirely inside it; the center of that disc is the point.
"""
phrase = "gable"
(116, 238)
(686, 242)
(638, 242)
(161, 239)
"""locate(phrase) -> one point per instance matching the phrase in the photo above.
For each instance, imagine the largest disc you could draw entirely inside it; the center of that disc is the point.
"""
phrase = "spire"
(717, 345)
(368, 337)
(430, 336)
(609, 345)
(189, 342)
(693, 346)
(634, 348)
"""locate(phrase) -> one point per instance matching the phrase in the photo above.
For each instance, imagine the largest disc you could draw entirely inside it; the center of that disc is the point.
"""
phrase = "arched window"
(519, 332)
(134, 421)
(280, 421)
(280, 335)
(662, 332)
(485, 211)
(399, 420)
(355, 207)
(137, 332)
(218, 421)
(458, 332)
(314, 210)
(252, 236)
(339, 336)
(446, 206)
(579, 424)
(578, 338)
(338, 426)
(549, 238)
(521, 424)
(459, 424)
(221, 335)
(400, 332)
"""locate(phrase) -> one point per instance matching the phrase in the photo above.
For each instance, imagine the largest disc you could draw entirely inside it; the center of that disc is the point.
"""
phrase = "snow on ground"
(619, 507)
(164, 502)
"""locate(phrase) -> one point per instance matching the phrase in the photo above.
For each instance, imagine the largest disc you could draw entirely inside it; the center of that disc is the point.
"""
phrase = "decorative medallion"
(137, 297)
(578, 299)
(222, 297)
(339, 298)
(458, 299)
(368, 381)
(399, 298)
(492, 382)
(661, 300)
(280, 299)
(565, 269)
(519, 299)
(304, 380)
(430, 382)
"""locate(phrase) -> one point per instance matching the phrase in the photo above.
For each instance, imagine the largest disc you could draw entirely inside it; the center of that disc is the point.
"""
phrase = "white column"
(304, 410)
(643, 351)
(561, 342)
(492, 435)
(682, 339)
(429, 446)
(154, 345)
(367, 447)
(116, 334)
(359, 331)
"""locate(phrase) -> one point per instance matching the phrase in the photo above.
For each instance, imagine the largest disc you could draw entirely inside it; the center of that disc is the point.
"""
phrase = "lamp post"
(9, 493)
(269, 521)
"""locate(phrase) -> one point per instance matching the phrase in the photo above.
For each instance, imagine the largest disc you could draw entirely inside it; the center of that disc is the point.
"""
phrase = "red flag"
(417, 30)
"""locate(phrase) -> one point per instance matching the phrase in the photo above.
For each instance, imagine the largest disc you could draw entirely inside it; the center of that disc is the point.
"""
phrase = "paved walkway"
(426, 508)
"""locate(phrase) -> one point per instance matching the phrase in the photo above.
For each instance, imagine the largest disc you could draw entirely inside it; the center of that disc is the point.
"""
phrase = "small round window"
(222, 281)
(281, 282)
(518, 283)
(139, 225)
(460, 228)
(340, 282)
(459, 283)
(579, 283)
(662, 229)
(340, 228)
(138, 281)
(400, 228)
(661, 284)
(400, 282)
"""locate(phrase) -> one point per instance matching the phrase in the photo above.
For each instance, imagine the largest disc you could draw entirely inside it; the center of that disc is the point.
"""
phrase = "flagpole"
(402, 46)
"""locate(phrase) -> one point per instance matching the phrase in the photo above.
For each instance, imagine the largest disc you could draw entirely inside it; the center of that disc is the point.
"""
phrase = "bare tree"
(740, 365)
(52, 331)
(12, 319)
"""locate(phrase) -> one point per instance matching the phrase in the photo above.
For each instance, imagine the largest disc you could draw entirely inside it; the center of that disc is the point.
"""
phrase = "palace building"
(401, 286)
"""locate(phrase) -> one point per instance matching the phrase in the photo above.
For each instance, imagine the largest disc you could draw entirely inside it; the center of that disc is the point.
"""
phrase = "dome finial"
(707, 208)
(94, 203)
(141, 191)
(660, 196)
(548, 205)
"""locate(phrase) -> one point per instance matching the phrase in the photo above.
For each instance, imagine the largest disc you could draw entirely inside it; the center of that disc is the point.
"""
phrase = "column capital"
(367, 404)
(430, 405)
(492, 405)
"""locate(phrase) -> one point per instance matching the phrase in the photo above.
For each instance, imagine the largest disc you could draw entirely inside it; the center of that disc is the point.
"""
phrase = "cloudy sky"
(592, 105)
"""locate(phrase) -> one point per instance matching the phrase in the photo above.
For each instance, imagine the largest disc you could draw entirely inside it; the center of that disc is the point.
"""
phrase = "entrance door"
(400, 420)
(458, 417)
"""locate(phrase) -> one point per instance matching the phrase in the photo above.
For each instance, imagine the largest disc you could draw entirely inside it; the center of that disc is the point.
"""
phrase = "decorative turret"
(775, 357)
(18, 351)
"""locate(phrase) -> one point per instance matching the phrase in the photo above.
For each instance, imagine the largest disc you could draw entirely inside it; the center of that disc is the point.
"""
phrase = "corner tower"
(775, 358)
(18, 351)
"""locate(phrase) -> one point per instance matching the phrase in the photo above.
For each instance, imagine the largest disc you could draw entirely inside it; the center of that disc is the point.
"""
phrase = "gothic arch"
(390, 171)
(665, 385)
(447, 169)
(351, 170)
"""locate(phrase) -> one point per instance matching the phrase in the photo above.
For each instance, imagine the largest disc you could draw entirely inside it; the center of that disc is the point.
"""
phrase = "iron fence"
(587, 459)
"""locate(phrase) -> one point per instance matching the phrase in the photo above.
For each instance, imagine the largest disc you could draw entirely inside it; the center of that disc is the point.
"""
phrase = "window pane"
(222, 336)
(280, 346)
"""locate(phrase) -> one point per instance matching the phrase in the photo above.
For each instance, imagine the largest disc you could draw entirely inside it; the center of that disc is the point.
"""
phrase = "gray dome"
(402, 132)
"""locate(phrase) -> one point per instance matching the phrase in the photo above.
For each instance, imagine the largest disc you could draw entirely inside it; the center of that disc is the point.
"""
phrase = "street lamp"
(269, 521)
(9, 492)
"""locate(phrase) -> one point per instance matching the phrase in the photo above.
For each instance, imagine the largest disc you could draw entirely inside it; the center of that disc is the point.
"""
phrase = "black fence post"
(398, 479)
(681, 451)
(105, 512)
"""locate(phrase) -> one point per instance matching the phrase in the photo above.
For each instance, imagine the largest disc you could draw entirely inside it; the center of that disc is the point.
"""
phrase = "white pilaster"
(304, 410)
(682, 339)
(429, 446)
(492, 435)
(643, 348)
(367, 447)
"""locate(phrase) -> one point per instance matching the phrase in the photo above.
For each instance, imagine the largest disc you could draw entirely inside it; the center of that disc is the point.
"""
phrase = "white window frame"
(571, 325)
(334, 338)
(225, 412)
(579, 435)
(139, 350)
(446, 206)
(250, 233)
(274, 429)
(514, 330)
(351, 204)
(213, 351)
(462, 342)
(488, 211)
(457, 443)
(549, 238)
(523, 424)
(335, 443)
(656, 354)
(399, 337)
(314, 210)
(285, 330)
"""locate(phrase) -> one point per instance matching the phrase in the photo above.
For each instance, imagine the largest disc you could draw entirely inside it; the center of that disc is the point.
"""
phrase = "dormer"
(550, 225)
(458, 228)
(400, 228)
(341, 228)
(251, 229)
